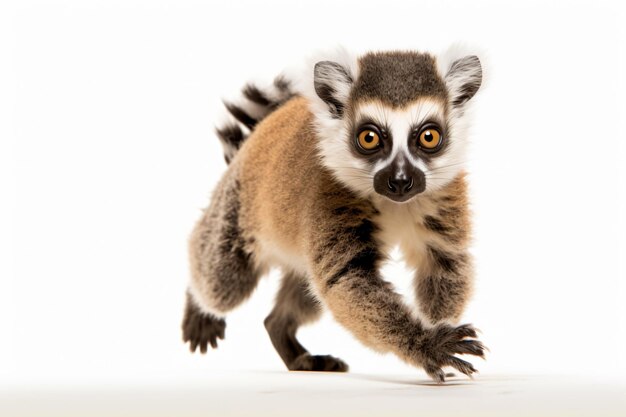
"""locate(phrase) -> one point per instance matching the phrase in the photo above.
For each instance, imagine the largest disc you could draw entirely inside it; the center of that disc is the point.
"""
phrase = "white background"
(108, 154)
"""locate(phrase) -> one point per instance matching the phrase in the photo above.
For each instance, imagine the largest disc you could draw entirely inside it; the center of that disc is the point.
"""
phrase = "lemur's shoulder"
(283, 142)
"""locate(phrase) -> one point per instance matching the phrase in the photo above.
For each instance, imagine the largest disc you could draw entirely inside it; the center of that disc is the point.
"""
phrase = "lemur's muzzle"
(399, 183)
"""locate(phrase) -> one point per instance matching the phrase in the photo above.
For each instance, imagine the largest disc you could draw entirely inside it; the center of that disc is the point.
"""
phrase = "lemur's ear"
(332, 84)
(463, 78)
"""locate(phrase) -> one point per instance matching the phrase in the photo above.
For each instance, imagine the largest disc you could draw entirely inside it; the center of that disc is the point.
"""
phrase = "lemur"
(359, 156)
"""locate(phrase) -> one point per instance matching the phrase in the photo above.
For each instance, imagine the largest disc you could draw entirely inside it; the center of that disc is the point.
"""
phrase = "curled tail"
(253, 107)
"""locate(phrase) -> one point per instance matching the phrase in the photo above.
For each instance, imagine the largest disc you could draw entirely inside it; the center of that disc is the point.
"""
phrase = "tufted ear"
(332, 83)
(463, 78)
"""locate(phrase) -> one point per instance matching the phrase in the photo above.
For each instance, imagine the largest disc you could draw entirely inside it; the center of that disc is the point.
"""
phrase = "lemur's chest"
(405, 226)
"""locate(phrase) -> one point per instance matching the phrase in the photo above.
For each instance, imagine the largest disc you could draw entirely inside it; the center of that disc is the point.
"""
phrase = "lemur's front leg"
(443, 284)
(444, 271)
(345, 259)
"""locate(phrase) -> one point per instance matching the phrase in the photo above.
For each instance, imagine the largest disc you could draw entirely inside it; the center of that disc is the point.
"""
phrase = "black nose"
(400, 185)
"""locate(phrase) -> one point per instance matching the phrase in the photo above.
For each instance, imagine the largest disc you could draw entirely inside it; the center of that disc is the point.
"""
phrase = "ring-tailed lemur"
(363, 155)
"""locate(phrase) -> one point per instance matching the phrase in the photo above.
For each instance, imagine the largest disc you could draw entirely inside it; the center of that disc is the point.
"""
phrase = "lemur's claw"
(439, 345)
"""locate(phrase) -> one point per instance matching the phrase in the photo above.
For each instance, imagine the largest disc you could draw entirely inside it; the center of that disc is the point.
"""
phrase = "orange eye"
(369, 140)
(430, 139)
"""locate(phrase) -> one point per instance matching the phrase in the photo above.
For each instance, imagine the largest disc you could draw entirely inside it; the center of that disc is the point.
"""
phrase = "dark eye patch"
(413, 139)
(386, 140)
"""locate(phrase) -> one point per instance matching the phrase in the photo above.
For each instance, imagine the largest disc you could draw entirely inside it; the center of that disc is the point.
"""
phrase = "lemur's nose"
(400, 185)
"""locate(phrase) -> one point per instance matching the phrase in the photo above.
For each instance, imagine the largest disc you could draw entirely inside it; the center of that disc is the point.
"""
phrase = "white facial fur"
(359, 175)
(444, 167)
(336, 136)
(333, 146)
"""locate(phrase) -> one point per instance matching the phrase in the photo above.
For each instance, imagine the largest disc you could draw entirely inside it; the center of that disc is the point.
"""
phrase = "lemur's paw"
(325, 363)
(441, 343)
(201, 329)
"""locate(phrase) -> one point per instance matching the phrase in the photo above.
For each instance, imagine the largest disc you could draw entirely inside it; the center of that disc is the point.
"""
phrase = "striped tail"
(254, 106)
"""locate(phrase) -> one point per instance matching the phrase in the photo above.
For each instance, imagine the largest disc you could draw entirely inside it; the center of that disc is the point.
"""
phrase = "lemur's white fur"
(334, 146)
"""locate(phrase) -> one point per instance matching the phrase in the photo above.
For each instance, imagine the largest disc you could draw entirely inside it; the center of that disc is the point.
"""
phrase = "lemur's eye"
(430, 139)
(368, 139)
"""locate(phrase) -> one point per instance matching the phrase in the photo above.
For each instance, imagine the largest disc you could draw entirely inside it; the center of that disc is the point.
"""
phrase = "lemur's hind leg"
(223, 273)
(201, 329)
(294, 307)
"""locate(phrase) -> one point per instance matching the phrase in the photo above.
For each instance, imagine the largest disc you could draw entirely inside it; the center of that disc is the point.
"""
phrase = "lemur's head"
(393, 123)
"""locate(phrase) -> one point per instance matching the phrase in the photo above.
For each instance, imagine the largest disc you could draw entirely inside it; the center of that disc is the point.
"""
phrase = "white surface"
(287, 394)
(108, 155)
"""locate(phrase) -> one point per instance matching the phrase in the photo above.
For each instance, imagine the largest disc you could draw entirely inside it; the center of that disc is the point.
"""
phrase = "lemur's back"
(273, 165)
(281, 177)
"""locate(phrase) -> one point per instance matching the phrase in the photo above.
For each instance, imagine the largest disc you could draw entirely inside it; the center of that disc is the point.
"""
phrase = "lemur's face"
(395, 127)
(401, 149)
